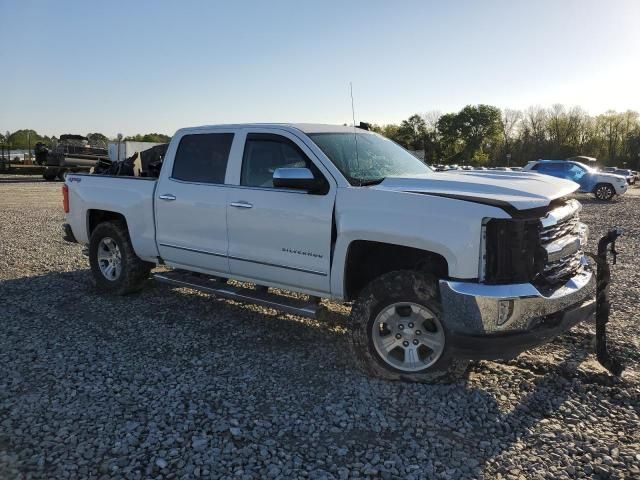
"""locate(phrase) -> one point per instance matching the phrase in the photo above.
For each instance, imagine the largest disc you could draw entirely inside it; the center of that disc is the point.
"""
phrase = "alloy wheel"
(604, 192)
(408, 336)
(109, 259)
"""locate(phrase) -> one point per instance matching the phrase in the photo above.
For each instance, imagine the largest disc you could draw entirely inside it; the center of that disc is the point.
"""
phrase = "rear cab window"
(202, 158)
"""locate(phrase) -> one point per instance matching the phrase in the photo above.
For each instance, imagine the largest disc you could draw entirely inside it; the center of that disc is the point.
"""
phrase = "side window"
(554, 169)
(575, 172)
(202, 157)
(264, 153)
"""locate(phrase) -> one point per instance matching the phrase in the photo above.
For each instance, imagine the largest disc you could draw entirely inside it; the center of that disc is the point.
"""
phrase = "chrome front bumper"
(478, 309)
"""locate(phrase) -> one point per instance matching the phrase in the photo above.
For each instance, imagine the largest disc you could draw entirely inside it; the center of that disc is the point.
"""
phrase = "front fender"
(449, 227)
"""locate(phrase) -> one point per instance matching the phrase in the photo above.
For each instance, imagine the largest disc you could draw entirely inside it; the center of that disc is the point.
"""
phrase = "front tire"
(604, 191)
(115, 267)
(397, 332)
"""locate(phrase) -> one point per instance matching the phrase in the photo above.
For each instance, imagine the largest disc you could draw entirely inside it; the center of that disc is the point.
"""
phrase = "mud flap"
(603, 305)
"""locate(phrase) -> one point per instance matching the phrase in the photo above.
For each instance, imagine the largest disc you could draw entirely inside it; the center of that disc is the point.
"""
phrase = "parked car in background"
(625, 172)
(628, 174)
(603, 185)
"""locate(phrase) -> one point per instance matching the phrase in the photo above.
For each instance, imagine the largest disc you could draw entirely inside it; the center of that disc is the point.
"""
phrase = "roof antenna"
(353, 114)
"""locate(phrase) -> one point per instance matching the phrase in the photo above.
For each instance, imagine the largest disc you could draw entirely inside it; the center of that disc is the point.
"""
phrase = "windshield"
(377, 157)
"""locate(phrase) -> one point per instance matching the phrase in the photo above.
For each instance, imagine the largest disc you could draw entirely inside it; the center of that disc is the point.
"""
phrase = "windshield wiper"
(370, 181)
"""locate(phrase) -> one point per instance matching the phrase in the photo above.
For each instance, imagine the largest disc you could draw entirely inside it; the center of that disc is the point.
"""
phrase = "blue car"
(603, 185)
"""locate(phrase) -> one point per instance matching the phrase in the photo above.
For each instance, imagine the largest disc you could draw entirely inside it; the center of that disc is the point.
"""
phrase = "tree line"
(26, 139)
(476, 135)
(486, 135)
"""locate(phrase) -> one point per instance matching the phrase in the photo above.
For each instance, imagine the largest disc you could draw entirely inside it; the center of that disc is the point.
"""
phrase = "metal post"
(119, 140)
(603, 305)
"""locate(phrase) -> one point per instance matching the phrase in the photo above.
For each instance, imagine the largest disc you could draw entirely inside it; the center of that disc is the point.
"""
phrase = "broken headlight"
(512, 251)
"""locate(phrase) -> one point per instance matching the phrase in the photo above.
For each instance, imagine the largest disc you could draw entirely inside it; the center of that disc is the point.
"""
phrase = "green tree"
(450, 142)
(471, 133)
(412, 132)
(97, 140)
(149, 137)
(480, 128)
(24, 139)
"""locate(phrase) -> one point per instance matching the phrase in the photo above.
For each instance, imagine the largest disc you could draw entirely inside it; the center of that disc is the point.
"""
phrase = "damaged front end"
(535, 283)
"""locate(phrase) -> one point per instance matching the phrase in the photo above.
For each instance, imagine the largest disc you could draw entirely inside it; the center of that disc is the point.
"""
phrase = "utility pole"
(119, 140)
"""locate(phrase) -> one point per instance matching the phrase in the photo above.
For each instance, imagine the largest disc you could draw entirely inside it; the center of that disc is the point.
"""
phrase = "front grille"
(545, 251)
(567, 227)
(560, 228)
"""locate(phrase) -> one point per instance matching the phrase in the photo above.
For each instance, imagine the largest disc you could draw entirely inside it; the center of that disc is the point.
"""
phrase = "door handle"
(241, 204)
(168, 197)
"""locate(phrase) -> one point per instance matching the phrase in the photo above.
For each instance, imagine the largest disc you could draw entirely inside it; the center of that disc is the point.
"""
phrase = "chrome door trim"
(287, 267)
(195, 250)
(242, 259)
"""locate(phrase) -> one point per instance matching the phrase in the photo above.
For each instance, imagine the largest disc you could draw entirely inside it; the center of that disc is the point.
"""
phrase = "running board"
(259, 297)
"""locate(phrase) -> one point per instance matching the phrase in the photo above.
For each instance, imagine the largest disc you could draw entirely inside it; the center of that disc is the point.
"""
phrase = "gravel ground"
(172, 383)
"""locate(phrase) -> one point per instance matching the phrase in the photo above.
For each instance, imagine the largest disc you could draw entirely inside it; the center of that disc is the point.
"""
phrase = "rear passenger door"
(191, 202)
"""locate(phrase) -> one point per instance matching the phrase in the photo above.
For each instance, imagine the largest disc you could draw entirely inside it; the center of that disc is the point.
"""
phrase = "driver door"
(279, 236)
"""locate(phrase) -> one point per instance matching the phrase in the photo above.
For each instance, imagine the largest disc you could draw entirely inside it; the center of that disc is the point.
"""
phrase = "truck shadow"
(166, 329)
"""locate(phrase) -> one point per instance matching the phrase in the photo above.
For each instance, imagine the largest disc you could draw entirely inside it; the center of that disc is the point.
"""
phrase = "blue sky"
(142, 66)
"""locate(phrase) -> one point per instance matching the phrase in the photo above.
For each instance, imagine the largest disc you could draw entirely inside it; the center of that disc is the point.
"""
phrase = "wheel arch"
(367, 259)
(96, 217)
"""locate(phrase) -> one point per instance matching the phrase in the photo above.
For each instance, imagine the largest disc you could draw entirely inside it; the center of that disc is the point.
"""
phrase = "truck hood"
(504, 189)
(611, 177)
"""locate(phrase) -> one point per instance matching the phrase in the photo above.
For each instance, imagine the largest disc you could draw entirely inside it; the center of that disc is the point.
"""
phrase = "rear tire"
(115, 267)
(393, 320)
(604, 191)
(48, 176)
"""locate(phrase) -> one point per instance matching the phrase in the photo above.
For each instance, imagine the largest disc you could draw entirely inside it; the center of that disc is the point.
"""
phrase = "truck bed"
(131, 197)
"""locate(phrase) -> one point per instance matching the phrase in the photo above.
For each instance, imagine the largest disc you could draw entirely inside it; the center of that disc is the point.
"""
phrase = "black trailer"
(72, 154)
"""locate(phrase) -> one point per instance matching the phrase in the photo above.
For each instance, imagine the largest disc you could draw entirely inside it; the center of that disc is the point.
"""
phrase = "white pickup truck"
(441, 267)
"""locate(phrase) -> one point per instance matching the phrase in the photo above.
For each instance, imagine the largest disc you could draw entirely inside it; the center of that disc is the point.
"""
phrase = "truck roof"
(304, 127)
